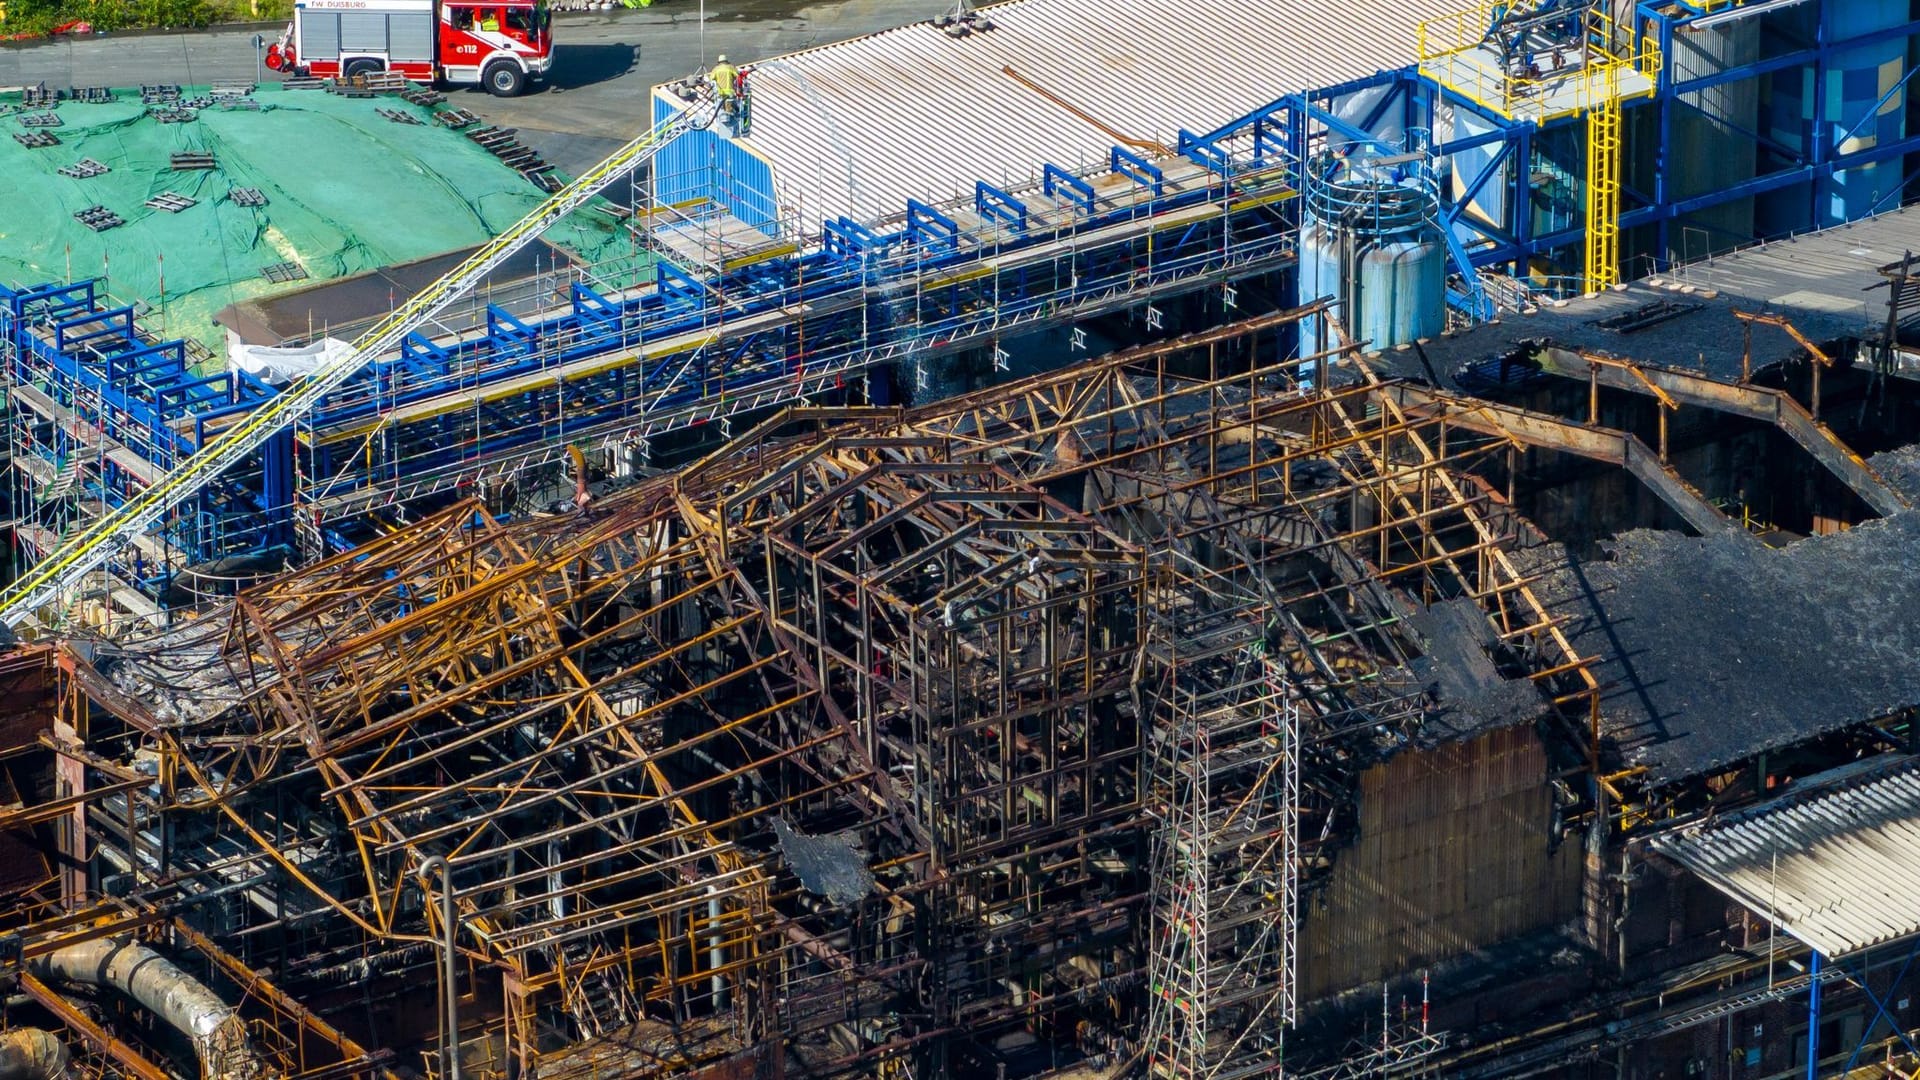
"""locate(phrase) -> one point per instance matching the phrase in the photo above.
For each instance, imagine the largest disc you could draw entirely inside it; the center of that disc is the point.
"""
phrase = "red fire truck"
(498, 44)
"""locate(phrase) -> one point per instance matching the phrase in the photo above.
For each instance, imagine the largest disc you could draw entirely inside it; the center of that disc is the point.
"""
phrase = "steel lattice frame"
(987, 643)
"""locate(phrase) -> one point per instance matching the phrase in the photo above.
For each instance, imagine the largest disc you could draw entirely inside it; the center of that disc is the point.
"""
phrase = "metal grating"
(99, 218)
(1634, 320)
(284, 272)
(84, 168)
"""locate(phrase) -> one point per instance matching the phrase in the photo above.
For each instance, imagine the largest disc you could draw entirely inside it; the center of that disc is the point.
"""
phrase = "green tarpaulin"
(347, 191)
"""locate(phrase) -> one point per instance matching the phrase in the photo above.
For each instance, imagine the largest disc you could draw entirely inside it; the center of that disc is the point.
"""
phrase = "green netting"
(348, 191)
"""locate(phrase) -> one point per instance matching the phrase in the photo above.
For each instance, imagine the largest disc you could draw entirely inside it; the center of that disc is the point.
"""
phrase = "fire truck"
(498, 44)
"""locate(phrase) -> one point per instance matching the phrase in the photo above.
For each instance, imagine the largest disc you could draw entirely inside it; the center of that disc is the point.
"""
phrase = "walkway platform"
(708, 237)
(1475, 74)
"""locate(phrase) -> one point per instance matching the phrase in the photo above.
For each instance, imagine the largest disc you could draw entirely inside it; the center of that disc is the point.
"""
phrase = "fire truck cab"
(501, 45)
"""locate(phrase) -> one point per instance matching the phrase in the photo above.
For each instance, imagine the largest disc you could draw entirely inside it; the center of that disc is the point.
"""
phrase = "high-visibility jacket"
(725, 76)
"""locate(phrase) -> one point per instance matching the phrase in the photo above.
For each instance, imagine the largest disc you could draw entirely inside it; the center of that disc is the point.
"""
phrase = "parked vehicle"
(501, 45)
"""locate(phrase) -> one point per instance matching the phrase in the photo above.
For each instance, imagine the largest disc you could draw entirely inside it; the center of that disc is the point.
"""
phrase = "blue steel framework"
(694, 347)
(92, 397)
(683, 350)
(1822, 969)
(1495, 167)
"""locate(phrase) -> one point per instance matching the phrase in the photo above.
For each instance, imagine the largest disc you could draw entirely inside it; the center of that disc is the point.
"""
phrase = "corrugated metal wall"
(708, 165)
(1452, 855)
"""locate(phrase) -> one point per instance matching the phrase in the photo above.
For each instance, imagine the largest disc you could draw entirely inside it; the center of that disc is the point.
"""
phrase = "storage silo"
(1796, 111)
(1370, 238)
(1856, 82)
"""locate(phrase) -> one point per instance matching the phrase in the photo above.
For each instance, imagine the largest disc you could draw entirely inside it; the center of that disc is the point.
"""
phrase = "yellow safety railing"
(1454, 32)
(1454, 51)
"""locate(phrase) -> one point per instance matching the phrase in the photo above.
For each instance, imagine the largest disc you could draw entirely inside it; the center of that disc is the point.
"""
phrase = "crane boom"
(81, 553)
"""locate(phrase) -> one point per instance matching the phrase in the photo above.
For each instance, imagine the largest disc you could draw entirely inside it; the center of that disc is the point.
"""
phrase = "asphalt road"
(596, 98)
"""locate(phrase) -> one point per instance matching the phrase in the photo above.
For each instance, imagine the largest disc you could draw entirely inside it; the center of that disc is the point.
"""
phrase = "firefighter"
(490, 21)
(725, 77)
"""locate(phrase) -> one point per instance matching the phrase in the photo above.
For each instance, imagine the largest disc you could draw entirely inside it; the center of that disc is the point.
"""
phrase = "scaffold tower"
(1227, 790)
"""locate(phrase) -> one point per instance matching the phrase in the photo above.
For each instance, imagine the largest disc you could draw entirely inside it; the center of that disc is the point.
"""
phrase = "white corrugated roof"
(858, 127)
(1848, 869)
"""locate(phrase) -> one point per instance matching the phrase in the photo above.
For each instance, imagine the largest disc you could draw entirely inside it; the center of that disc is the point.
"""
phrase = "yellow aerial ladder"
(87, 549)
(1603, 175)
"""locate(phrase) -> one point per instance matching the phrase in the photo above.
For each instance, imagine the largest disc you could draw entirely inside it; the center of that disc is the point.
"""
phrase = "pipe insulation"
(31, 1054)
(178, 999)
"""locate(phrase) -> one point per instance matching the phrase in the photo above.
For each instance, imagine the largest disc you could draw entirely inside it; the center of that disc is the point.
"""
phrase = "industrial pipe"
(31, 1054)
(182, 1002)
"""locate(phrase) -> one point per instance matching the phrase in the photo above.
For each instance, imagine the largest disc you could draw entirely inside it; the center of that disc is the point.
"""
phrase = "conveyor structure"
(419, 415)
(112, 337)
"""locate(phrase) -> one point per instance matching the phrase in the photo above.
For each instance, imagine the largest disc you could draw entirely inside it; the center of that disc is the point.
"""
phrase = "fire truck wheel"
(504, 80)
(357, 68)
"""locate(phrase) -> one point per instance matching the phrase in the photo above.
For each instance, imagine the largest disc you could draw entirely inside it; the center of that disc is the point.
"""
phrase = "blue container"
(1370, 238)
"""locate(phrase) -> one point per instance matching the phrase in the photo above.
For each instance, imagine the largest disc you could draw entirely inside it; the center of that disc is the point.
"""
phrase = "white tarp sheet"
(281, 366)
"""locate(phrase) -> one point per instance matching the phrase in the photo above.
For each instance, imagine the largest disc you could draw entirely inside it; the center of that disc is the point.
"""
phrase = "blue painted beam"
(588, 304)
(1057, 182)
(1203, 151)
(992, 202)
(1137, 169)
(929, 228)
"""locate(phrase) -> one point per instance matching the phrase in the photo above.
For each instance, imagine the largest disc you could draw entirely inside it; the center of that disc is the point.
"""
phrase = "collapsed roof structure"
(1120, 718)
(841, 745)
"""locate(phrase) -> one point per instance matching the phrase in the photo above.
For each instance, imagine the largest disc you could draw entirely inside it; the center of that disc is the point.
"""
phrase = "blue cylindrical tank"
(1370, 238)
(1856, 82)
(1842, 111)
(1403, 291)
(1320, 274)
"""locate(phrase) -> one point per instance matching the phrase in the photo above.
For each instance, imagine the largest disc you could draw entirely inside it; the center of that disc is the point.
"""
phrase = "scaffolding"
(1227, 796)
(886, 741)
(731, 320)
